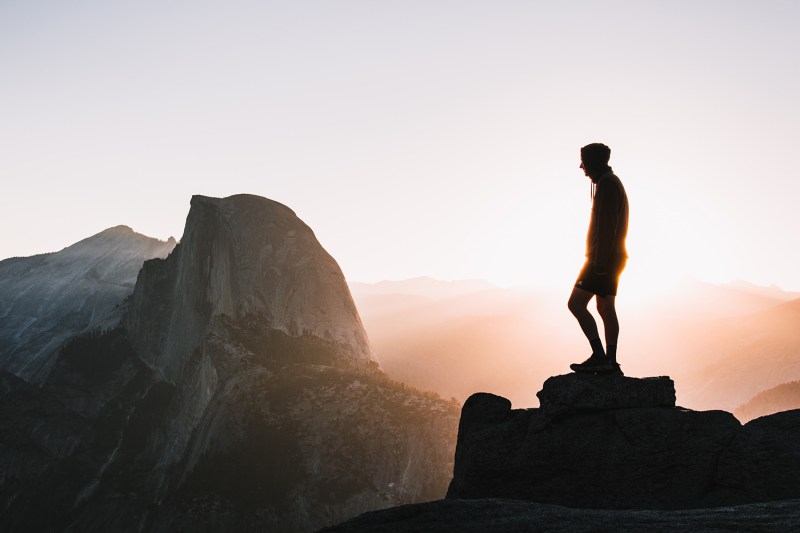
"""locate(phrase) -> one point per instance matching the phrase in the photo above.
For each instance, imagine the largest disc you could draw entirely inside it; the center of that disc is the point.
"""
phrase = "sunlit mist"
(417, 138)
(723, 344)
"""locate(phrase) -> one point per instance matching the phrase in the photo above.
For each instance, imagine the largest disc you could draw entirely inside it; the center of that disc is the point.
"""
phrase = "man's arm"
(607, 204)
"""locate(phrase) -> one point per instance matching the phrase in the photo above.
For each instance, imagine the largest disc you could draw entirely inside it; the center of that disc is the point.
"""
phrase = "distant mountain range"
(724, 343)
(784, 397)
(734, 359)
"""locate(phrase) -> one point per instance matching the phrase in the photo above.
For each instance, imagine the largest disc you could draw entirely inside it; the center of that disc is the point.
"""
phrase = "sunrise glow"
(416, 139)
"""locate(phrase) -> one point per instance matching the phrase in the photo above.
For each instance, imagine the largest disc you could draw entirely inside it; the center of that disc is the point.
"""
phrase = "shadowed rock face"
(279, 448)
(591, 446)
(763, 461)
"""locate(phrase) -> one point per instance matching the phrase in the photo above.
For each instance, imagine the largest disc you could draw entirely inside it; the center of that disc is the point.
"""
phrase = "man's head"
(594, 159)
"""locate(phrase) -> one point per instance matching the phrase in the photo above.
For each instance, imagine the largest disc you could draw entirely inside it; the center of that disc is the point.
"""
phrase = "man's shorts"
(601, 283)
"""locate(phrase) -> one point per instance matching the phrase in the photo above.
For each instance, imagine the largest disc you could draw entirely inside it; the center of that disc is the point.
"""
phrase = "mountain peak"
(241, 201)
(123, 237)
(244, 259)
(116, 230)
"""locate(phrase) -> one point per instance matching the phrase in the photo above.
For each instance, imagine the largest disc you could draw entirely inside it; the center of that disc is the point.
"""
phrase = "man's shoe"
(613, 370)
(595, 364)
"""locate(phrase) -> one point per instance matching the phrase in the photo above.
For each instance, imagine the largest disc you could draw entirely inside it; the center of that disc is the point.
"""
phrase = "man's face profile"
(585, 172)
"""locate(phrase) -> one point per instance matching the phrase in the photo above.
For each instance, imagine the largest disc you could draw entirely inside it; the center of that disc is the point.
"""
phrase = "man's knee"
(605, 307)
(576, 305)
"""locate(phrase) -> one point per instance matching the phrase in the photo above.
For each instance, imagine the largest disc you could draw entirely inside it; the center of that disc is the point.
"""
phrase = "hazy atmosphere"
(416, 138)
(285, 265)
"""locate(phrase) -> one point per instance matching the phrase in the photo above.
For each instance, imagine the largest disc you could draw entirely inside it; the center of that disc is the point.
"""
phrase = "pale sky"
(436, 138)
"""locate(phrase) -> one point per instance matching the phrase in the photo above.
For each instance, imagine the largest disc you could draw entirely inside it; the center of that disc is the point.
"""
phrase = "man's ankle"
(597, 348)
(612, 352)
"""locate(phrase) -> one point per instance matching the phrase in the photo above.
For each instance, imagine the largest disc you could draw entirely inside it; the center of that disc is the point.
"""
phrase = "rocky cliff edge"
(621, 443)
(610, 454)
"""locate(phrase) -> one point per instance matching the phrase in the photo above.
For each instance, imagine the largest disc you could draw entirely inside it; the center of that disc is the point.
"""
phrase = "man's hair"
(595, 156)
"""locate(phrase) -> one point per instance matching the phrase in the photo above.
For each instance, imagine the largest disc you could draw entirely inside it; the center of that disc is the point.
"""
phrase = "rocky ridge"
(239, 393)
(781, 398)
(47, 298)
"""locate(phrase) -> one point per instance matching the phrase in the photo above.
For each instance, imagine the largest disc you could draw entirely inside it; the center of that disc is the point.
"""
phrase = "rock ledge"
(603, 442)
(572, 393)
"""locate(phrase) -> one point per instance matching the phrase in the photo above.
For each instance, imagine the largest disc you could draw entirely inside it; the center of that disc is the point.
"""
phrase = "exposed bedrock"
(248, 277)
(244, 257)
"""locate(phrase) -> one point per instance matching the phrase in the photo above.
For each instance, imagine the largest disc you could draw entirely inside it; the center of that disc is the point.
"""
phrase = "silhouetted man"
(605, 259)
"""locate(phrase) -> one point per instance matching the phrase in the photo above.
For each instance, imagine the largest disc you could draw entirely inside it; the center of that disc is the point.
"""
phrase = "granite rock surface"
(238, 393)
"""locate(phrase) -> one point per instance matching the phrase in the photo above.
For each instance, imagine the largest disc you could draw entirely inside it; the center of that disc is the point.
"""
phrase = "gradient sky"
(430, 137)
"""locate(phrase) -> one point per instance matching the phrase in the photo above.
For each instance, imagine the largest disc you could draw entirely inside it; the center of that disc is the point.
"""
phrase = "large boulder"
(763, 461)
(620, 443)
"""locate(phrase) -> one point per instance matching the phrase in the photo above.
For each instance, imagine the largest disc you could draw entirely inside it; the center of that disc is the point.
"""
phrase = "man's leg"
(578, 305)
(608, 312)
